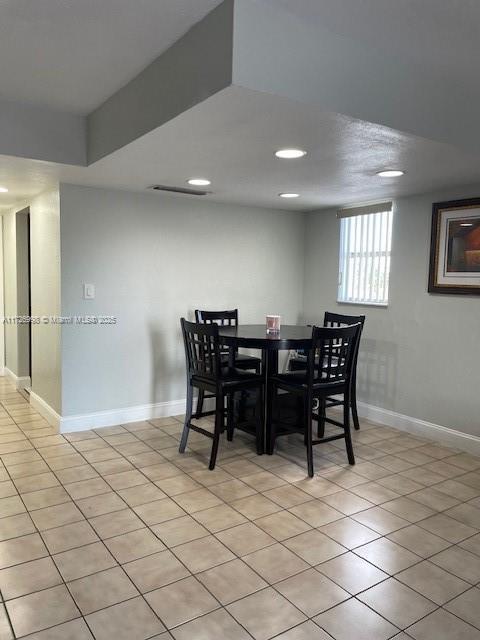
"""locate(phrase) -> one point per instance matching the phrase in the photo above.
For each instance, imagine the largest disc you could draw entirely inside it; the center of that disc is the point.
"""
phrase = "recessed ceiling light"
(390, 173)
(3, 190)
(289, 195)
(466, 224)
(290, 154)
(199, 182)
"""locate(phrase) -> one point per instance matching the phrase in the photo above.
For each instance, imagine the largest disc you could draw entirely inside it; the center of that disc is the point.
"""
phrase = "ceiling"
(440, 34)
(73, 54)
(231, 139)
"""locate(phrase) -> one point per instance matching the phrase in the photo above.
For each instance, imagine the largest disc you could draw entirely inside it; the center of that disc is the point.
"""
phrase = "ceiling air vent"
(186, 191)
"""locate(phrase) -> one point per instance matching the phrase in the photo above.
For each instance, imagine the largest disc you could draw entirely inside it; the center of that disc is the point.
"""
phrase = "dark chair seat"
(244, 361)
(230, 378)
(299, 380)
(299, 363)
(291, 378)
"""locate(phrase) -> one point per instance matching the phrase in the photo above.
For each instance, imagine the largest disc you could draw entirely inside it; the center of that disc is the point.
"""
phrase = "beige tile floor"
(111, 534)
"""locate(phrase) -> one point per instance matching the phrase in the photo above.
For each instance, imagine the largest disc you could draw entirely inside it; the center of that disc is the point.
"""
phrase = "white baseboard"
(45, 410)
(19, 382)
(113, 417)
(69, 424)
(415, 426)
(421, 428)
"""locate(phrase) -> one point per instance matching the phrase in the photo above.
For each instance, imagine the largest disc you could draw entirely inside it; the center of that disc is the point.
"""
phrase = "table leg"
(270, 366)
(232, 352)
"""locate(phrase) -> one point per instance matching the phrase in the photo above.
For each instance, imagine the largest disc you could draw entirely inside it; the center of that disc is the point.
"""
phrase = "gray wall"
(154, 258)
(420, 356)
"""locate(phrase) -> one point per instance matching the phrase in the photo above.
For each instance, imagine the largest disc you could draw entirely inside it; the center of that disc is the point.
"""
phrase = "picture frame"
(455, 248)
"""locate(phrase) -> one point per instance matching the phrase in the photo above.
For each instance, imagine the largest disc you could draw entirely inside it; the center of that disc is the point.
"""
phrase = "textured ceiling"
(231, 139)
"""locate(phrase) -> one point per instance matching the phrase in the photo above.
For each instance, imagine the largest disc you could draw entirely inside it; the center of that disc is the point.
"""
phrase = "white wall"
(2, 302)
(15, 241)
(10, 289)
(154, 258)
(22, 274)
(420, 356)
(45, 295)
(45, 259)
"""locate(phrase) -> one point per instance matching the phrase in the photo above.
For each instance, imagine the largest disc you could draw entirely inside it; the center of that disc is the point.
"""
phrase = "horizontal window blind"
(365, 251)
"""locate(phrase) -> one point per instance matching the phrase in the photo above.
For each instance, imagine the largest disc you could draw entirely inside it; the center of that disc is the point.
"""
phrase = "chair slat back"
(339, 320)
(222, 318)
(202, 348)
(332, 356)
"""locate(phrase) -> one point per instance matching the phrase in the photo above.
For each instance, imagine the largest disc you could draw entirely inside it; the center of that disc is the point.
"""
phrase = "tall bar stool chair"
(242, 360)
(207, 372)
(298, 362)
(329, 371)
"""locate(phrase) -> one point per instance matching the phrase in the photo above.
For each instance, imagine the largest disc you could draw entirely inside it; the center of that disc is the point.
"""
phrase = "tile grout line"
(287, 483)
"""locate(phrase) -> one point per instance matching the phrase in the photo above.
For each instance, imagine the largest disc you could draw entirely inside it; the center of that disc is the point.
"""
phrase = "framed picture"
(455, 248)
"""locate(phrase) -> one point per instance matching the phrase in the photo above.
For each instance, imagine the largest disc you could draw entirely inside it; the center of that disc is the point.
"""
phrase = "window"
(365, 248)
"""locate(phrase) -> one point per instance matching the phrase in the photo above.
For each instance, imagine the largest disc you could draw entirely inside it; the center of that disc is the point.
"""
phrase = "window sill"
(381, 305)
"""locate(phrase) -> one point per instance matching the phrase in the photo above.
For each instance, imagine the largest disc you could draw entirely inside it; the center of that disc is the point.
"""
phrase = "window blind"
(365, 254)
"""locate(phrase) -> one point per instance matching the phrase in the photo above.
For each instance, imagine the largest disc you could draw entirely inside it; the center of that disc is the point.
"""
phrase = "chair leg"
(353, 403)
(230, 416)
(188, 417)
(201, 396)
(321, 418)
(242, 406)
(346, 426)
(260, 432)
(270, 431)
(304, 408)
(309, 436)
(217, 431)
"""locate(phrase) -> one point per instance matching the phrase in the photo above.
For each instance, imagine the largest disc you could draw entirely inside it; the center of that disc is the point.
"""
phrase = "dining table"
(255, 336)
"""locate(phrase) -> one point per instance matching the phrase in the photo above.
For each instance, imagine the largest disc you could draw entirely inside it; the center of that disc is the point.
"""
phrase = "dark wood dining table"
(255, 336)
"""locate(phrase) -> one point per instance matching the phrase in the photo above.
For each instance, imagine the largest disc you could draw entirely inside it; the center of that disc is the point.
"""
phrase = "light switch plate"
(88, 291)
